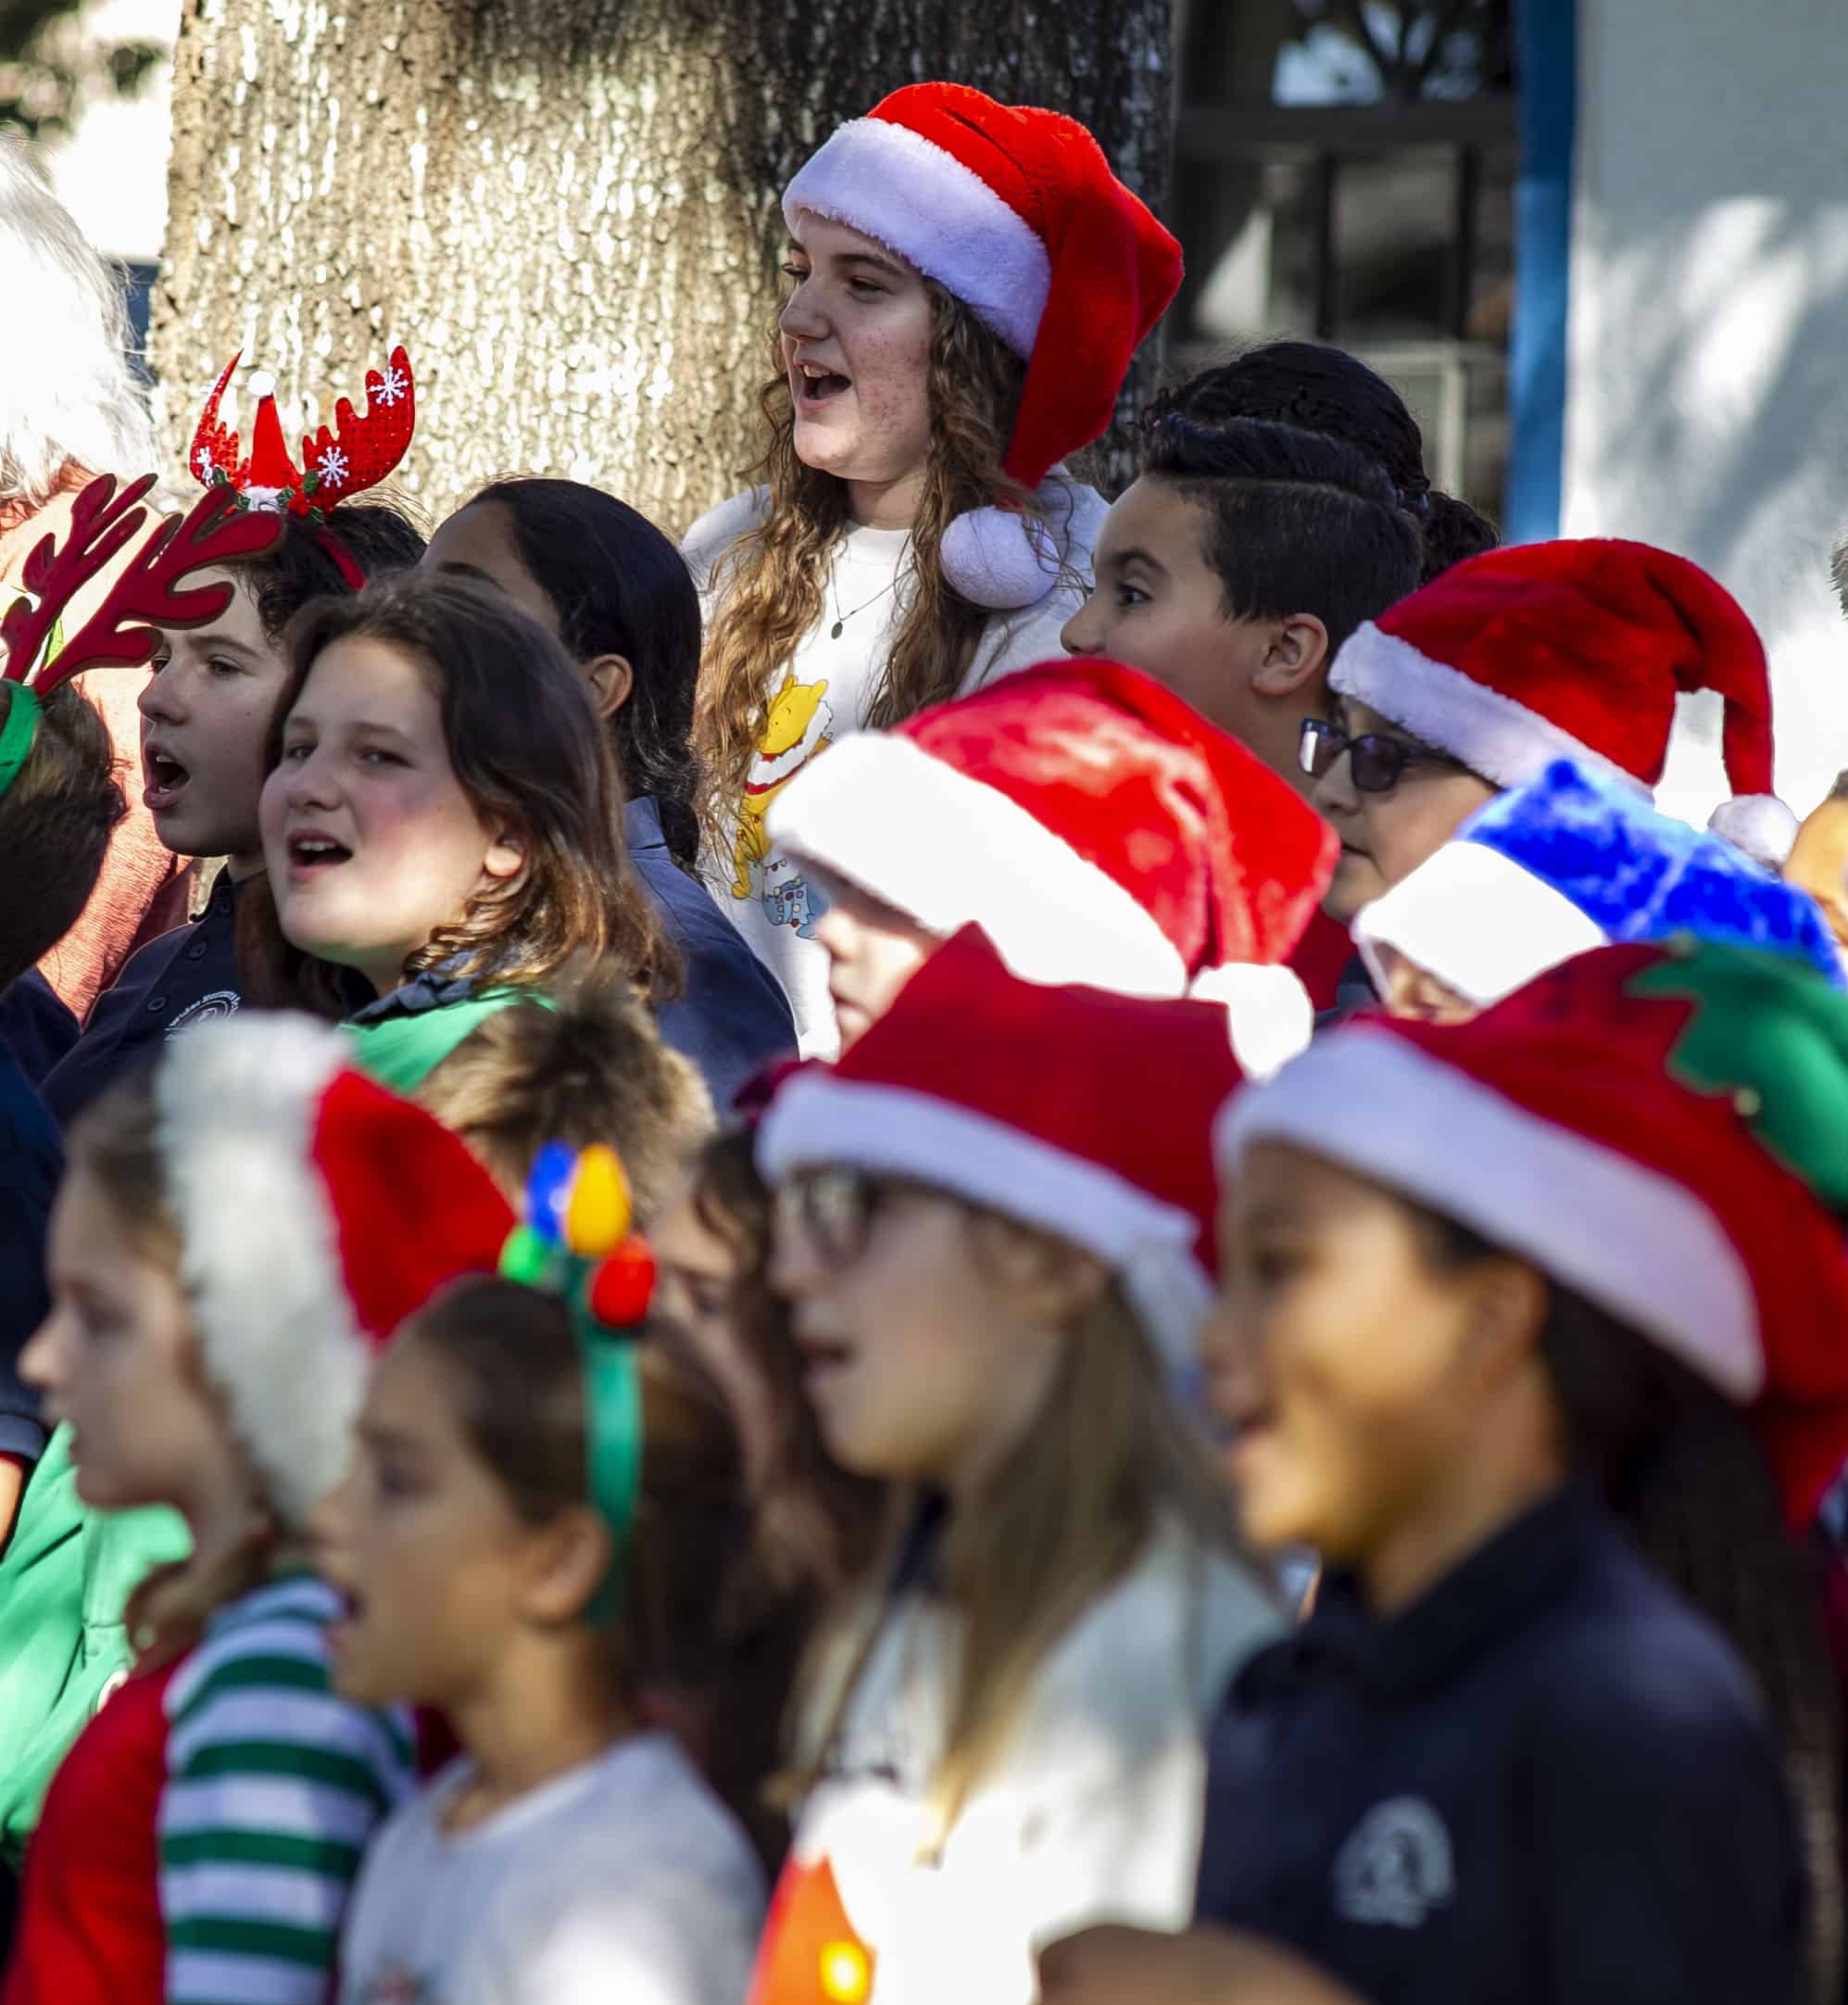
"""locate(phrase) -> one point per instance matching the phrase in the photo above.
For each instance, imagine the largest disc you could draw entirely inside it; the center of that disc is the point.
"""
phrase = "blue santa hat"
(1568, 863)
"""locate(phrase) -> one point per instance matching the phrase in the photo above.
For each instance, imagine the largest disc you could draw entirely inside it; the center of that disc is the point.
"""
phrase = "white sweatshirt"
(824, 694)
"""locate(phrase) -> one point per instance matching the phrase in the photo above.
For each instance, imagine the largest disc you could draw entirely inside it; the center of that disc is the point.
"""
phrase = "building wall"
(1707, 408)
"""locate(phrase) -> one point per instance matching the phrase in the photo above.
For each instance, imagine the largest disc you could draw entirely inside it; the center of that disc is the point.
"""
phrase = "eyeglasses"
(835, 1206)
(1379, 762)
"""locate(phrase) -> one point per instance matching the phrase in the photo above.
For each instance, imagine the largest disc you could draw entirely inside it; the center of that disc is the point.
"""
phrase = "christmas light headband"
(145, 595)
(574, 1242)
(359, 453)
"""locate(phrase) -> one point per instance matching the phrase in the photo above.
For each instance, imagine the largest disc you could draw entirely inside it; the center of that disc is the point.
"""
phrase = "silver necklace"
(841, 618)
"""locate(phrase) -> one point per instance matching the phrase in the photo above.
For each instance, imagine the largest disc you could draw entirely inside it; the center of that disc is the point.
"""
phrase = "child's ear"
(569, 1560)
(1296, 657)
(506, 855)
(612, 683)
(1510, 1311)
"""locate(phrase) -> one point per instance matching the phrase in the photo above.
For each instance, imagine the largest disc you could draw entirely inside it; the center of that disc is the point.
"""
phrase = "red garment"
(90, 1931)
(1321, 958)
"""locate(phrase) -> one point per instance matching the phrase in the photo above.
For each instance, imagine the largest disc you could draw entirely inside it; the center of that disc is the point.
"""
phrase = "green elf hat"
(574, 1242)
(146, 594)
(1664, 1129)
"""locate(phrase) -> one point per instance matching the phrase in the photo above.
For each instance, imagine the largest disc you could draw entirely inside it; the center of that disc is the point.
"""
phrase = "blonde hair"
(116, 1141)
(770, 582)
(1110, 1461)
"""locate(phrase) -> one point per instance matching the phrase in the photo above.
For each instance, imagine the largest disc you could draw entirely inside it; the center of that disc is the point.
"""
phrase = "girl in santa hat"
(989, 1247)
(543, 1534)
(1573, 649)
(1497, 1294)
(236, 1233)
(440, 822)
(968, 283)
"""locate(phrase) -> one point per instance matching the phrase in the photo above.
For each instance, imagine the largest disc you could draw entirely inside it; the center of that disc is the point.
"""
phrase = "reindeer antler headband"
(359, 453)
(147, 594)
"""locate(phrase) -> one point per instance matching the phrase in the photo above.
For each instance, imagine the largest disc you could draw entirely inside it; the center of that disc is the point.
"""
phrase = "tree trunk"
(567, 210)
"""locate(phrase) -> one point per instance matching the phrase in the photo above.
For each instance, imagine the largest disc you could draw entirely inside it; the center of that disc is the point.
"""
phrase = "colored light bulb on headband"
(622, 1286)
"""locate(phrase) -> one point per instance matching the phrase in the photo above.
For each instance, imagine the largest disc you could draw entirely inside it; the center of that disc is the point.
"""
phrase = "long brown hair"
(527, 752)
(1110, 1461)
(1677, 1465)
(116, 1141)
(699, 1624)
(770, 582)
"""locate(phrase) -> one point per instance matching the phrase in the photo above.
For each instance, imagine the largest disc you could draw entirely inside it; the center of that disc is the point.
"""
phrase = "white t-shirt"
(624, 1879)
(825, 693)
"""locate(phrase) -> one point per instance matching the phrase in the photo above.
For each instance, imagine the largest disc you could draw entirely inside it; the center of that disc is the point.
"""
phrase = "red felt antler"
(147, 593)
(361, 452)
(215, 446)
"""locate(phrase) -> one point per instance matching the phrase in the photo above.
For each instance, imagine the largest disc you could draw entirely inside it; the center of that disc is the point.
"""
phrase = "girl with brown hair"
(444, 846)
(542, 1538)
(968, 284)
(989, 1266)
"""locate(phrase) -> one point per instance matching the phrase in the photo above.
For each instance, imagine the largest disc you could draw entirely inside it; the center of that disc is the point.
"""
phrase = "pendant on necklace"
(834, 632)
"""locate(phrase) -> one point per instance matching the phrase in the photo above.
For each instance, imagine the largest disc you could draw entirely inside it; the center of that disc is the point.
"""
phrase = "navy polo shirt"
(1547, 1783)
(32, 1160)
(185, 975)
(732, 1017)
(35, 1023)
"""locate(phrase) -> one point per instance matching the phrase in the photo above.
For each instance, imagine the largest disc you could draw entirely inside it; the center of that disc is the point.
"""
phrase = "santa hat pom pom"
(1759, 825)
(1267, 1009)
(998, 559)
(260, 384)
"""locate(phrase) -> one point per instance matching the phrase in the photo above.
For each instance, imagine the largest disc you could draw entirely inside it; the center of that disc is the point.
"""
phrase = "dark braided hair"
(1330, 392)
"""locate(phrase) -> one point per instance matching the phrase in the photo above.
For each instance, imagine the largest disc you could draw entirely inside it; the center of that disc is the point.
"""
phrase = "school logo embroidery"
(220, 1002)
(1396, 1865)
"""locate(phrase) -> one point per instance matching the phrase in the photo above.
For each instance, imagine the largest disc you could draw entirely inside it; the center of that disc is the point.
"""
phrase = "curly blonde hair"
(772, 580)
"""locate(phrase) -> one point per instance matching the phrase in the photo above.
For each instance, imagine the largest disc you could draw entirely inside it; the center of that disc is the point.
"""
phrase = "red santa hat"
(1084, 1113)
(317, 1211)
(1098, 828)
(1016, 212)
(1574, 649)
(1659, 1130)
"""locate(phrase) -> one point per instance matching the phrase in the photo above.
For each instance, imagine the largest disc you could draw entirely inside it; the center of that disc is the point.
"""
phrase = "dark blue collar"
(641, 824)
(431, 991)
(1487, 1592)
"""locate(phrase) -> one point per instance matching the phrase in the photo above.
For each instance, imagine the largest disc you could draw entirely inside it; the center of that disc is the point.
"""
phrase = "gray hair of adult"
(69, 394)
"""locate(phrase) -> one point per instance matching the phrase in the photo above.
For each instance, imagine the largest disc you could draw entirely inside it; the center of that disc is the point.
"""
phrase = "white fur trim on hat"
(1628, 1238)
(1759, 826)
(1478, 921)
(998, 558)
(238, 1102)
(821, 1117)
(879, 812)
(1267, 1009)
(1496, 738)
(905, 192)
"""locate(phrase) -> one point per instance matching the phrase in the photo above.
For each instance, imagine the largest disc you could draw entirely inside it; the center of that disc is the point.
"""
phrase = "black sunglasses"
(835, 1206)
(1379, 762)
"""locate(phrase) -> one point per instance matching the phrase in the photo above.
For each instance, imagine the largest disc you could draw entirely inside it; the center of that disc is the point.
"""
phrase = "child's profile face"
(372, 843)
(874, 949)
(1160, 606)
(116, 1358)
(1340, 1354)
(856, 335)
(1385, 836)
(422, 1542)
(922, 1363)
(205, 715)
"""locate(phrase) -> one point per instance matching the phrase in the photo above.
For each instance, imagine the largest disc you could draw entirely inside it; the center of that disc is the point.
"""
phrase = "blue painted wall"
(1548, 52)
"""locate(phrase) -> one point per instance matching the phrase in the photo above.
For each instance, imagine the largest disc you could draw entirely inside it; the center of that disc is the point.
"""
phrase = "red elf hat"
(1574, 649)
(1084, 1113)
(1098, 828)
(1659, 1130)
(317, 1211)
(1016, 212)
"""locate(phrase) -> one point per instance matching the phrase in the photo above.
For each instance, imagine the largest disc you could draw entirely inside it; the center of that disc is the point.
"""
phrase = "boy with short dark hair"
(1235, 565)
